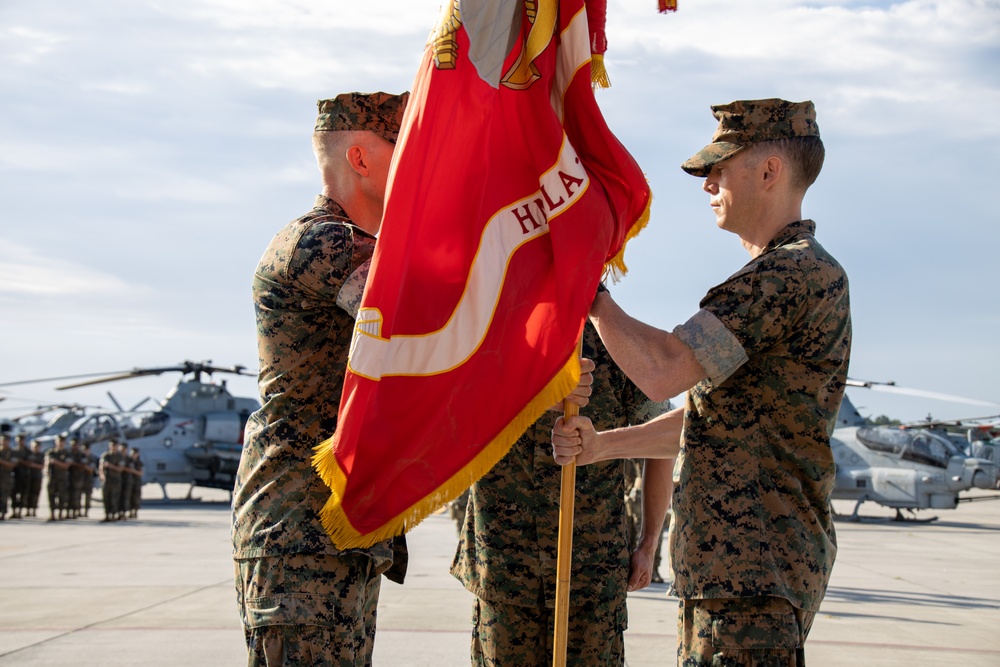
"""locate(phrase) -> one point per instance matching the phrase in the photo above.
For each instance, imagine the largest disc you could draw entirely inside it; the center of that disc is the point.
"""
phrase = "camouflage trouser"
(58, 489)
(6, 486)
(307, 609)
(457, 509)
(88, 491)
(110, 492)
(34, 489)
(125, 493)
(75, 491)
(509, 635)
(22, 480)
(742, 632)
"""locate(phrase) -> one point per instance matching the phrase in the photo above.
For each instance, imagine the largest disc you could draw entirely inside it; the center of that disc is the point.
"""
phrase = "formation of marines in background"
(71, 470)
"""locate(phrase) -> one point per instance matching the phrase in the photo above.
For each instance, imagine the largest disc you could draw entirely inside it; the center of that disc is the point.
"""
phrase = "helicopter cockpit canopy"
(919, 446)
(136, 425)
(96, 428)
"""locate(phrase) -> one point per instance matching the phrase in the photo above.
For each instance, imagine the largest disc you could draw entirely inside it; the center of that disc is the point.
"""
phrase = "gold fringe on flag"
(598, 72)
(615, 267)
(346, 536)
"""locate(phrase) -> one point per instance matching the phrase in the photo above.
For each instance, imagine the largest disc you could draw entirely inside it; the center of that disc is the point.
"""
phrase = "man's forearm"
(657, 487)
(659, 438)
(656, 361)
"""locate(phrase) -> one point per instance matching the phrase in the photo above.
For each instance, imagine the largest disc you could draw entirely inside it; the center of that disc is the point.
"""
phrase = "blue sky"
(149, 150)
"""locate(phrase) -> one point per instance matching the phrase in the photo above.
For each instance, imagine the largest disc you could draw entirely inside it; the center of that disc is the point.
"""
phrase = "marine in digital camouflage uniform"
(127, 484)
(37, 468)
(507, 549)
(57, 464)
(302, 601)
(76, 476)
(137, 467)
(8, 463)
(765, 360)
(22, 477)
(110, 471)
(89, 464)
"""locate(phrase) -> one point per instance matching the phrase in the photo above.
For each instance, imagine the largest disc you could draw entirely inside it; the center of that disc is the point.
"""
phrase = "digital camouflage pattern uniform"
(136, 501)
(91, 462)
(507, 550)
(297, 593)
(127, 484)
(37, 458)
(289, 574)
(752, 540)
(77, 473)
(22, 478)
(110, 463)
(57, 464)
(8, 463)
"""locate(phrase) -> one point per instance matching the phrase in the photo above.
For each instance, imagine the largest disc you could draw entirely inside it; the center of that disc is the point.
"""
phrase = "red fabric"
(467, 152)
(597, 18)
(667, 6)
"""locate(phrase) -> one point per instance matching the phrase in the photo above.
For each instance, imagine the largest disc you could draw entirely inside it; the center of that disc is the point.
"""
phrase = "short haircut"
(803, 154)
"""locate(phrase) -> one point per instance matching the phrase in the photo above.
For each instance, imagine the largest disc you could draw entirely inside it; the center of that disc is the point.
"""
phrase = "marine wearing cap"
(380, 113)
(745, 122)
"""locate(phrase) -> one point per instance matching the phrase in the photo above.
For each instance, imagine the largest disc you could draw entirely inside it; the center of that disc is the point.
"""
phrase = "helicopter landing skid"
(899, 518)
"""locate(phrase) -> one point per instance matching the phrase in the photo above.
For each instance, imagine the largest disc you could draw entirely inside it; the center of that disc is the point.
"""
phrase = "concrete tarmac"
(159, 592)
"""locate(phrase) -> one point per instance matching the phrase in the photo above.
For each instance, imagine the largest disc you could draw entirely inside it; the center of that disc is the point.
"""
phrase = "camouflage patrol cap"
(380, 113)
(748, 121)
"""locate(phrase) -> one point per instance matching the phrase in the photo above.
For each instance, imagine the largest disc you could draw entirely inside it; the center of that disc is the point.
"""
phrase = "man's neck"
(360, 212)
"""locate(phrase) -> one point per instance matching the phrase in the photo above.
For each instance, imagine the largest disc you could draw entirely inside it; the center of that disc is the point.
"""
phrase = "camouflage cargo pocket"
(302, 589)
(769, 629)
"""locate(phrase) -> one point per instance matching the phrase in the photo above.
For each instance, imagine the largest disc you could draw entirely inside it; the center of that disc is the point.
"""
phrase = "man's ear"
(357, 159)
(772, 169)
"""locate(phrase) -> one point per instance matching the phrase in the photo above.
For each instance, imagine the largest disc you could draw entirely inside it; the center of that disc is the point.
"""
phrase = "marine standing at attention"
(57, 467)
(8, 464)
(302, 601)
(764, 362)
(109, 469)
(507, 550)
(37, 468)
(22, 476)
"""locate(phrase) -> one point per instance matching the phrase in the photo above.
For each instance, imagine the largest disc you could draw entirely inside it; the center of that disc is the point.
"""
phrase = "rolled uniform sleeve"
(717, 350)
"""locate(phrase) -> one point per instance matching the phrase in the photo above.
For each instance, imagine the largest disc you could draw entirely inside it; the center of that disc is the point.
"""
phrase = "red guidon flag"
(508, 198)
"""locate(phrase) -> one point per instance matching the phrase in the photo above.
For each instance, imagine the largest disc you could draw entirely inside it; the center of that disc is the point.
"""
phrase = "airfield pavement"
(159, 592)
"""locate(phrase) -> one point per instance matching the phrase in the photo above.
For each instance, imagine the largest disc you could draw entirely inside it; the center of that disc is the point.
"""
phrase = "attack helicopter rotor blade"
(115, 401)
(139, 404)
(57, 379)
(892, 389)
(110, 378)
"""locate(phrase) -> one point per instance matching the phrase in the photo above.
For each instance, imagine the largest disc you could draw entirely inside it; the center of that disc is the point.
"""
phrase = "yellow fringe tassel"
(598, 72)
(615, 267)
(339, 527)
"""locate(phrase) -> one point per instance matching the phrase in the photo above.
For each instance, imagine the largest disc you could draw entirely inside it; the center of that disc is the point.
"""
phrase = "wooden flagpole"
(564, 555)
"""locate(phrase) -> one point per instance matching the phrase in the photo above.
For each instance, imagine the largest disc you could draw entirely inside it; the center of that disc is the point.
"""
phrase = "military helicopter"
(194, 436)
(908, 467)
(47, 420)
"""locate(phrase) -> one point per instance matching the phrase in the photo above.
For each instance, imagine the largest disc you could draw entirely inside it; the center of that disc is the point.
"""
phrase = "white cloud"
(25, 45)
(895, 67)
(24, 273)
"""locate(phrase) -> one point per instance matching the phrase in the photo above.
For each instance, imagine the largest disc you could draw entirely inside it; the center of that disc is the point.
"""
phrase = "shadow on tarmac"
(869, 597)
